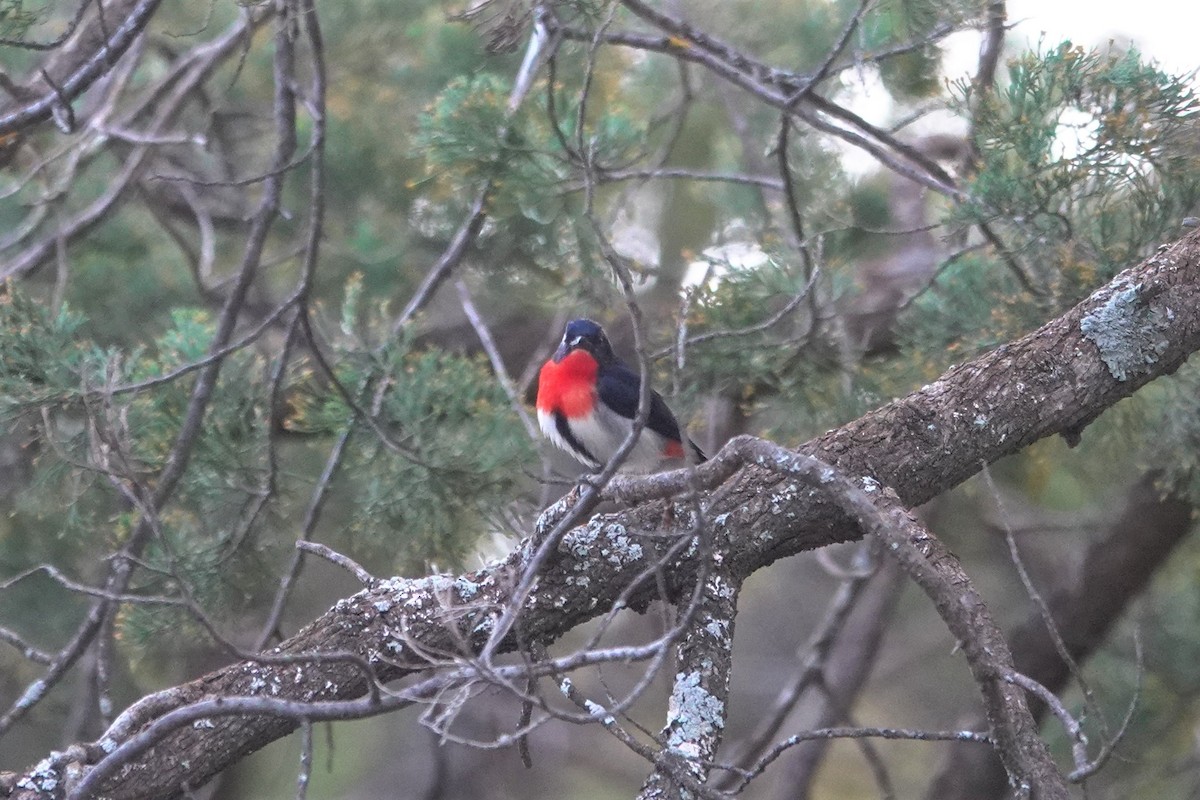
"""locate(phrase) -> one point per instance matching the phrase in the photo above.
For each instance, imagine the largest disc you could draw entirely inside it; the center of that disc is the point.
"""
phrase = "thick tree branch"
(698, 707)
(1057, 379)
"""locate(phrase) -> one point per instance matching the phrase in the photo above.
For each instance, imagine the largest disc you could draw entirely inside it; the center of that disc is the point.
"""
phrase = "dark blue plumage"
(588, 399)
(618, 387)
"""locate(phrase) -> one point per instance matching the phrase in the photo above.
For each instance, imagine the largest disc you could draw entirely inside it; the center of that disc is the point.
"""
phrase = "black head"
(583, 334)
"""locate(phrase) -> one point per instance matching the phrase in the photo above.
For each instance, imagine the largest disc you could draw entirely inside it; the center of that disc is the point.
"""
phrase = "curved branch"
(1084, 606)
(1013, 728)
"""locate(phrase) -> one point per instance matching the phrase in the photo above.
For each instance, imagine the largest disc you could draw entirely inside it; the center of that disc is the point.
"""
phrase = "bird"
(587, 400)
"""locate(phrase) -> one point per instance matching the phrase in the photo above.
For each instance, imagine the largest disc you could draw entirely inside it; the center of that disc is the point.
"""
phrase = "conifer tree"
(278, 280)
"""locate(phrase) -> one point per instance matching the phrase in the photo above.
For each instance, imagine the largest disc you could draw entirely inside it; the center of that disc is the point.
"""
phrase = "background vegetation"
(358, 404)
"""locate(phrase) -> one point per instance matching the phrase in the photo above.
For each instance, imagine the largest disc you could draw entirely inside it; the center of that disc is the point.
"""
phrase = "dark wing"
(618, 387)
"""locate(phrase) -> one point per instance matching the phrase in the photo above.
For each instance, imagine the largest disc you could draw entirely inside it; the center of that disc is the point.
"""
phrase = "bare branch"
(1013, 728)
(81, 77)
(1040, 604)
(190, 71)
(89, 591)
(826, 734)
(1079, 741)
(306, 758)
(342, 560)
(1084, 606)
(678, 173)
(493, 353)
(27, 650)
(1109, 746)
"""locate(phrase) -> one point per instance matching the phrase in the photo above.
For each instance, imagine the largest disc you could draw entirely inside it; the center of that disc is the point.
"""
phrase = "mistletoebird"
(587, 400)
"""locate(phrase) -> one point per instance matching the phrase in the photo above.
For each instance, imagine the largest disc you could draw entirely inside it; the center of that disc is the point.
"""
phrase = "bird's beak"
(565, 348)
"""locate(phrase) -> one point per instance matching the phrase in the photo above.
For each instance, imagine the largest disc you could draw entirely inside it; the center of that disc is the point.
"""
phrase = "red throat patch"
(568, 387)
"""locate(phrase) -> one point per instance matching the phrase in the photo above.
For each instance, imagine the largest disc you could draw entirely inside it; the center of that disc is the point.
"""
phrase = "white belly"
(602, 433)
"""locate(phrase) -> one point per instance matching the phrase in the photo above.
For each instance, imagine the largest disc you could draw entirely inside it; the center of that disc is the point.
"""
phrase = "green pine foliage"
(468, 453)
(16, 19)
(740, 300)
(40, 353)
(1070, 217)
(1086, 157)
(1087, 162)
(454, 452)
(459, 459)
(974, 305)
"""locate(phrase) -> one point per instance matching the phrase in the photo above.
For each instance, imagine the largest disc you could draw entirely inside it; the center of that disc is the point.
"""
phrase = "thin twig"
(758, 327)
(493, 353)
(903, 734)
(342, 560)
(1109, 746)
(540, 41)
(1043, 608)
(1079, 740)
(27, 650)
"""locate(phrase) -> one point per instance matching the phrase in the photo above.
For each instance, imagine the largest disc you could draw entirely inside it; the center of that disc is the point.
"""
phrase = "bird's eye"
(575, 342)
